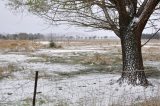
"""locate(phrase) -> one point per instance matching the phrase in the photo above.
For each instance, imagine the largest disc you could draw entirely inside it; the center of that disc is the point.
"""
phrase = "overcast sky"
(15, 23)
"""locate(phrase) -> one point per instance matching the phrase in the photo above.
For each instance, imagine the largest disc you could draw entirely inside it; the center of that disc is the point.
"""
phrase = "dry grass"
(155, 42)
(100, 42)
(151, 57)
(100, 59)
(5, 71)
(150, 102)
(151, 49)
(151, 53)
(1, 71)
(146, 101)
(18, 45)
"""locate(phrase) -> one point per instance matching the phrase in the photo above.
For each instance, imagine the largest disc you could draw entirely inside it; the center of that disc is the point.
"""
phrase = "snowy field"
(75, 75)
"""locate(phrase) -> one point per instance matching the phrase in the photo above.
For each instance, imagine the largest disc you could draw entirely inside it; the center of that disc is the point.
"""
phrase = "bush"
(52, 44)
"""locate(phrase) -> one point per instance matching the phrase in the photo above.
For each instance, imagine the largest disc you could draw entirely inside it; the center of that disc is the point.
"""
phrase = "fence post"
(35, 89)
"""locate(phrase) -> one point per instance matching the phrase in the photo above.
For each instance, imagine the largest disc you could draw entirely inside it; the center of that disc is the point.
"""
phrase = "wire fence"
(100, 91)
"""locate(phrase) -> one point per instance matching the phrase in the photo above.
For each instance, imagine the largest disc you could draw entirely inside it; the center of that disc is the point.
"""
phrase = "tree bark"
(133, 69)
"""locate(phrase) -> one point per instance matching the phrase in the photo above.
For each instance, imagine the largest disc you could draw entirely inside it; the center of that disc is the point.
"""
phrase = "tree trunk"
(133, 69)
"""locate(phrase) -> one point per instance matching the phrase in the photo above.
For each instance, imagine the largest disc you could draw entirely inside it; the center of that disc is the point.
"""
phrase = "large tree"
(126, 18)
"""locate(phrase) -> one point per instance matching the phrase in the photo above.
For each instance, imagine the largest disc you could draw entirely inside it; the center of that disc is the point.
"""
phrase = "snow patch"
(127, 9)
(135, 20)
(91, 90)
(52, 67)
(13, 58)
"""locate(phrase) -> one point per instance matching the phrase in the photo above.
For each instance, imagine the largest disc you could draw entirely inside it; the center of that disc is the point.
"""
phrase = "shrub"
(52, 44)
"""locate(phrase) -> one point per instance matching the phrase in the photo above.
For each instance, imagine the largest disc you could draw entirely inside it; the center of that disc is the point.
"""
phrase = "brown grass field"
(19, 45)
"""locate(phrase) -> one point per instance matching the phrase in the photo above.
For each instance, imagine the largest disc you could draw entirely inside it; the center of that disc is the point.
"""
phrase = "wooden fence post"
(35, 89)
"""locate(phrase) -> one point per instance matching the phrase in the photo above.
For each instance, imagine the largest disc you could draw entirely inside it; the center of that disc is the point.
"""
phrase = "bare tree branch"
(146, 13)
(115, 15)
(151, 37)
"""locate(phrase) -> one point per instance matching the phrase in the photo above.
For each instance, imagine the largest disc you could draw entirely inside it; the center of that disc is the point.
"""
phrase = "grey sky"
(15, 23)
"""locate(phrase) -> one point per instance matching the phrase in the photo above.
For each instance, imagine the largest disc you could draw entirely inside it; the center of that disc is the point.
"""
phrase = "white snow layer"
(135, 20)
(98, 90)
(85, 90)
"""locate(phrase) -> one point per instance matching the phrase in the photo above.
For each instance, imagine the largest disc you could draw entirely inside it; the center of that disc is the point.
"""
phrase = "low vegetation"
(54, 45)
(1, 71)
(149, 102)
(152, 72)
(19, 45)
(6, 71)
(101, 59)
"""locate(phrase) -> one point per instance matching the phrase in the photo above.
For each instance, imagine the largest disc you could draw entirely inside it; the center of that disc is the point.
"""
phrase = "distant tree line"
(39, 36)
(22, 36)
(148, 36)
(48, 37)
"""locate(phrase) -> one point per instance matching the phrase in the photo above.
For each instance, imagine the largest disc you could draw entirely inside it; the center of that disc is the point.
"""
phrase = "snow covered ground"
(57, 88)
(98, 90)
